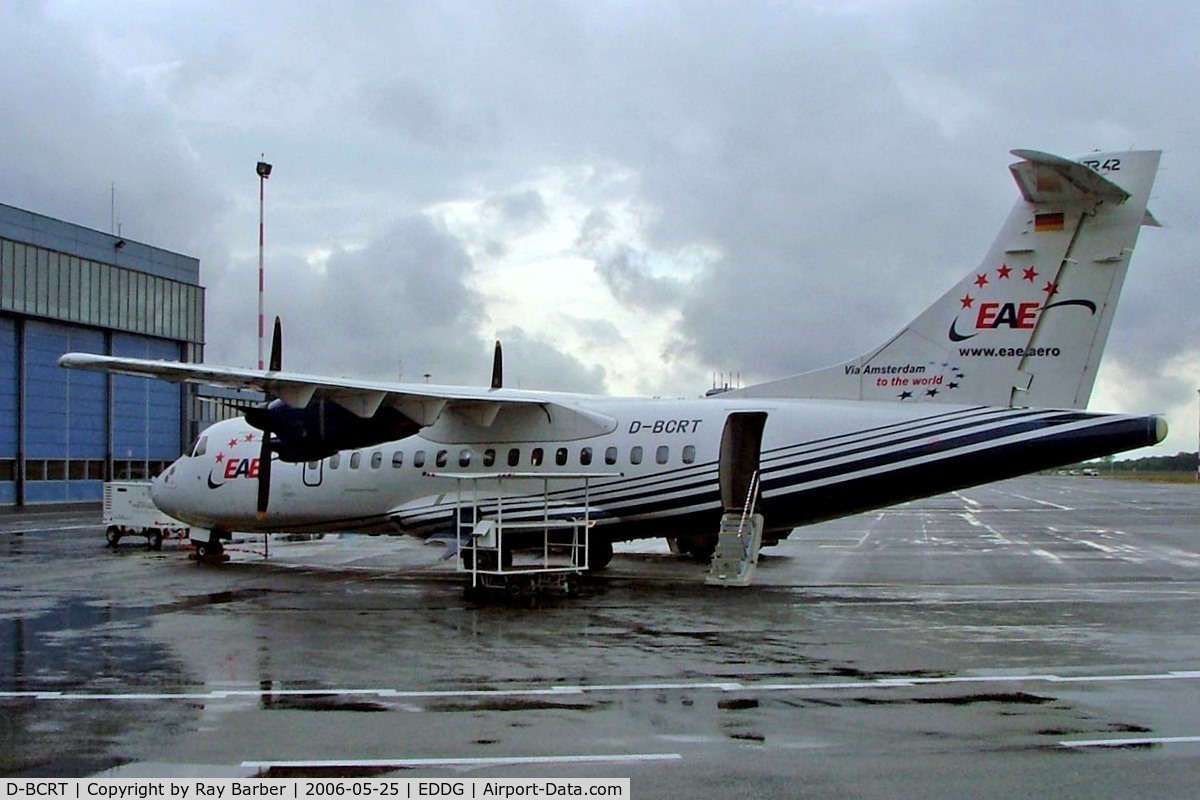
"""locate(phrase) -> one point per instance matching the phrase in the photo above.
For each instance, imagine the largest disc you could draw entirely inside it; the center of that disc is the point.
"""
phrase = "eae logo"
(1017, 314)
(1013, 315)
(227, 469)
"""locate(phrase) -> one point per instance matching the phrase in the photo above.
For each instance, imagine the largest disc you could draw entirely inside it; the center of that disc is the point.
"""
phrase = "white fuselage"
(657, 464)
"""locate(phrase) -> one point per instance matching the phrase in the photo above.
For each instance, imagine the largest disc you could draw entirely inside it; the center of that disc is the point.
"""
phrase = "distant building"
(66, 288)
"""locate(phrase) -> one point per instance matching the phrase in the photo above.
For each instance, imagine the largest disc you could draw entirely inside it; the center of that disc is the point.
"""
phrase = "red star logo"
(1030, 274)
(981, 281)
(967, 301)
(220, 458)
(249, 437)
(1050, 288)
(1004, 272)
(233, 442)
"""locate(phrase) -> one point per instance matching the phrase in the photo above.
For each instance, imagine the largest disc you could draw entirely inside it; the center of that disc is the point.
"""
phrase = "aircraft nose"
(161, 485)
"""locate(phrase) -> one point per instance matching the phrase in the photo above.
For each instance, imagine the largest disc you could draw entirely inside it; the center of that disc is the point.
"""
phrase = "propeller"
(264, 454)
(498, 367)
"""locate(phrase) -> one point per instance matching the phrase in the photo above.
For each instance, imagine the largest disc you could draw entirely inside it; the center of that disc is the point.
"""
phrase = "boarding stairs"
(542, 547)
(738, 542)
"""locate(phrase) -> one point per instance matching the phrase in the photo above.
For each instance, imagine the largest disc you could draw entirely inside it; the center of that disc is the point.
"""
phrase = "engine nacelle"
(323, 427)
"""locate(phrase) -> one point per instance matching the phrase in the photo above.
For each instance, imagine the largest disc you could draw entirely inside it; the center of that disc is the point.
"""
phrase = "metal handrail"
(751, 497)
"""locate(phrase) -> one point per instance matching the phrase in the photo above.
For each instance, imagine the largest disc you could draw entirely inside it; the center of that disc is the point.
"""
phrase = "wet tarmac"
(1038, 637)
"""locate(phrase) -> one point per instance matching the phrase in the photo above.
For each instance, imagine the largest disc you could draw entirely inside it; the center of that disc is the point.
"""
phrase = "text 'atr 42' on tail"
(1027, 326)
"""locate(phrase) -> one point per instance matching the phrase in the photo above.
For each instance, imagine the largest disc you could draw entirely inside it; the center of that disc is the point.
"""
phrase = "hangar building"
(65, 288)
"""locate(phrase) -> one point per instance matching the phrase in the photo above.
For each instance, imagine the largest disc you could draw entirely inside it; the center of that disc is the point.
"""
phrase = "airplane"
(990, 382)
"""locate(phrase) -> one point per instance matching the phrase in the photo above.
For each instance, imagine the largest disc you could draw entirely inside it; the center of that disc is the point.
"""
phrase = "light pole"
(264, 171)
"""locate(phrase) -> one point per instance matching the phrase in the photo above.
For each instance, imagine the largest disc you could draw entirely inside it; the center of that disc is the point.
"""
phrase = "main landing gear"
(700, 546)
(600, 552)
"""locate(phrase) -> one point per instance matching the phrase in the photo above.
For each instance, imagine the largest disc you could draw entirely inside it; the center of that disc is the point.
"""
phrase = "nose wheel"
(212, 550)
(206, 549)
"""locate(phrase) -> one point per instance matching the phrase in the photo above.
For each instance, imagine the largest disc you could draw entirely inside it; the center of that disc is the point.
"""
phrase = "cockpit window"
(201, 447)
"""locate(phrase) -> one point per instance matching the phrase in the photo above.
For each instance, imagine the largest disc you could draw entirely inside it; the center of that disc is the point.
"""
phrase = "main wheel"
(112, 535)
(700, 547)
(600, 552)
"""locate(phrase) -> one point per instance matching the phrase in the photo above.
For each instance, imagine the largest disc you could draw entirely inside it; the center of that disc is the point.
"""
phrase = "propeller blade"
(264, 477)
(497, 367)
(264, 454)
(276, 363)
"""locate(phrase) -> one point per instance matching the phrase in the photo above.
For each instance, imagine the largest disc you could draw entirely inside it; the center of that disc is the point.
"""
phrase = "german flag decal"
(1046, 223)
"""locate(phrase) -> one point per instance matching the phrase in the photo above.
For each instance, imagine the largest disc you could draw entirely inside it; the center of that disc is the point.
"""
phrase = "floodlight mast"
(264, 171)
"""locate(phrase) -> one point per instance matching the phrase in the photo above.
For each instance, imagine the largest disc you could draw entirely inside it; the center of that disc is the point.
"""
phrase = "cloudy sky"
(633, 196)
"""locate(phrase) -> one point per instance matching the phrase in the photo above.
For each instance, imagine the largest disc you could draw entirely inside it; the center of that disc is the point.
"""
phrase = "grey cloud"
(76, 128)
(402, 306)
(596, 227)
(520, 211)
(630, 281)
(596, 333)
(533, 363)
(415, 112)
(847, 162)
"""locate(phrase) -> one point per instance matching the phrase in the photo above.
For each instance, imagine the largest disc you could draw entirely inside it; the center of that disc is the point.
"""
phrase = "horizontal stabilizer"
(1043, 178)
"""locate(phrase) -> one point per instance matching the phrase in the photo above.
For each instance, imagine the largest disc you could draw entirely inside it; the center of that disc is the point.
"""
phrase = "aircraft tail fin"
(1028, 326)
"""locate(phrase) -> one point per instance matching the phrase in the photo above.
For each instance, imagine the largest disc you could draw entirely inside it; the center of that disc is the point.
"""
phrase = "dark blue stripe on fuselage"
(887, 482)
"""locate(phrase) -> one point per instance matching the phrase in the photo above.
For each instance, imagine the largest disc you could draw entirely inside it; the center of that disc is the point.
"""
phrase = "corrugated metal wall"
(64, 432)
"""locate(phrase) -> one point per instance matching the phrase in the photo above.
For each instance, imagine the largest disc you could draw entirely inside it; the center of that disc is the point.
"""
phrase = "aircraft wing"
(424, 404)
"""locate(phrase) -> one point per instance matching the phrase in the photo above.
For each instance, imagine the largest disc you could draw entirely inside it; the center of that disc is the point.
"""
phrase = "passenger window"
(610, 455)
(201, 446)
(514, 457)
(335, 460)
(560, 456)
(398, 459)
(489, 457)
(464, 457)
(442, 457)
(376, 459)
(635, 454)
(419, 459)
(662, 454)
(689, 454)
(535, 458)
(585, 456)
(355, 459)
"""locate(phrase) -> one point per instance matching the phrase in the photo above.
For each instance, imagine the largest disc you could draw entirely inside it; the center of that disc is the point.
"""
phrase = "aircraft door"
(313, 472)
(741, 447)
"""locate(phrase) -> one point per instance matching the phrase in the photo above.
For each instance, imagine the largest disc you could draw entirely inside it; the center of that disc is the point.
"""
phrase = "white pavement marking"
(974, 504)
(1046, 503)
(55, 529)
(1132, 742)
(462, 763)
(398, 694)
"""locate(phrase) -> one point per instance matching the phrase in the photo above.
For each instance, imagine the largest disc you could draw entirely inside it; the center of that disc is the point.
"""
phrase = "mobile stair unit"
(540, 546)
(738, 543)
